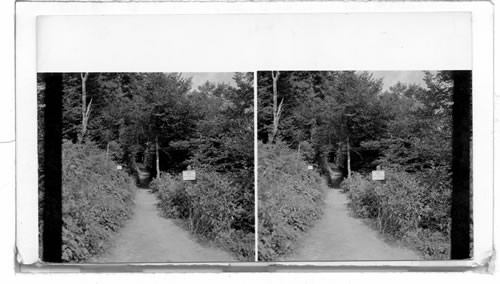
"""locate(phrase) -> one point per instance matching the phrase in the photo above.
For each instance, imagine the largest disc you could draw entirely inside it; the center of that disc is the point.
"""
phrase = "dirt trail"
(147, 237)
(338, 236)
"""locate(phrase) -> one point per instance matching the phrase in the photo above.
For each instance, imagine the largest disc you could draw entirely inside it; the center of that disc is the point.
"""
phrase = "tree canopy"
(325, 113)
(210, 126)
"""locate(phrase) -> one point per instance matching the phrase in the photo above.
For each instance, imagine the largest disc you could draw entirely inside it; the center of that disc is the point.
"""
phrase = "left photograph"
(146, 167)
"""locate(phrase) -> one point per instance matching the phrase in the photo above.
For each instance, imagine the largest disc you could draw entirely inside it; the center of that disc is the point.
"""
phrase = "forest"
(345, 124)
(159, 124)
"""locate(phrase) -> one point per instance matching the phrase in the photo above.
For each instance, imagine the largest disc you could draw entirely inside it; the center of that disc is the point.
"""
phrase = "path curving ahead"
(338, 236)
(148, 237)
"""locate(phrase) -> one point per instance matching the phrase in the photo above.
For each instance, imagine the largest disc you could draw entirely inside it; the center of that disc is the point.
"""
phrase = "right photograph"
(364, 165)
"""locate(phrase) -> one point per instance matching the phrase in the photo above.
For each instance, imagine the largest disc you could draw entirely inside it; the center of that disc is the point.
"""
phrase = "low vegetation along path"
(338, 236)
(148, 237)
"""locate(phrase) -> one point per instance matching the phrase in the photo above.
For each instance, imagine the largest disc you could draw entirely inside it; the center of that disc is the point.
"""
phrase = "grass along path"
(148, 237)
(338, 236)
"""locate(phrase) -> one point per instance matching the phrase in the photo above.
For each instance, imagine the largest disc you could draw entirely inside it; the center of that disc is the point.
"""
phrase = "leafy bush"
(404, 209)
(96, 199)
(172, 195)
(437, 182)
(211, 208)
(290, 200)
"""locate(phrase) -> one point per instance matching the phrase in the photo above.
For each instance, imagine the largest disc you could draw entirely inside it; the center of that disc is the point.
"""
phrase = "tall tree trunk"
(157, 158)
(348, 157)
(298, 155)
(461, 166)
(323, 164)
(85, 110)
(52, 166)
(107, 151)
(277, 109)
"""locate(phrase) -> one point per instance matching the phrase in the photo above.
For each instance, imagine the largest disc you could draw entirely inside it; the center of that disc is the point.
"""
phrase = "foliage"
(418, 144)
(224, 137)
(173, 198)
(418, 137)
(129, 111)
(407, 125)
(209, 207)
(323, 110)
(404, 209)
(41, 145)
(223, 141)
(96, 198)
(290, 199)
(212, 125)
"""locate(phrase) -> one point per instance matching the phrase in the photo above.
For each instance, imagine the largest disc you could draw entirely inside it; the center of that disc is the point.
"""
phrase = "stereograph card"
(254, 136)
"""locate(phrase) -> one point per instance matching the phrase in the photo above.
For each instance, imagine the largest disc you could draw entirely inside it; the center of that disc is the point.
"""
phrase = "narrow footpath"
(338, 236)
(148, 237)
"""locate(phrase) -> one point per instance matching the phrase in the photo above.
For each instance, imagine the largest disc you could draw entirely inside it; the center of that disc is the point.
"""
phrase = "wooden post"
(157, 158)
(348, 158)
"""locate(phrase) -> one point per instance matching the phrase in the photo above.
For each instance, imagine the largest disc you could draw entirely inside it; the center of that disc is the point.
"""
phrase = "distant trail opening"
(143, 176)
(147, 237)
(338, 236)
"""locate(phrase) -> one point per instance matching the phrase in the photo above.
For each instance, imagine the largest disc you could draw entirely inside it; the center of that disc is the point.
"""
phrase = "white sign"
(189, 175)
(309, 167)
(118, 167)
(378, 175)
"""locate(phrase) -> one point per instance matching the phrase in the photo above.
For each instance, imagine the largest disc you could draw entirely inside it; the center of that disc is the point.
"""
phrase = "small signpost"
(119, 167)
(378, 174)
(189, 174)
(309, 167)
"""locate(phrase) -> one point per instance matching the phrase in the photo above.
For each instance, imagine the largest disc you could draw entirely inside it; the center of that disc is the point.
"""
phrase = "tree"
(352, 112)
(128, 111)
(277, 109)
(418, 136)
(223, 140)
(329, 112)
(85, 108)
(167, 116)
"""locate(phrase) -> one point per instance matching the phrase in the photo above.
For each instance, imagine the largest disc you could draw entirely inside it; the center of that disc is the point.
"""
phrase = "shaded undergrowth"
(291, 199)
(97, 200)
(404, 210)
(212, 208)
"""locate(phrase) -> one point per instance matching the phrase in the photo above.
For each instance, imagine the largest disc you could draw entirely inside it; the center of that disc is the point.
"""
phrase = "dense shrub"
(172, 195)
(404, 209)
(211, 208)
(290, 200)
(97, 199)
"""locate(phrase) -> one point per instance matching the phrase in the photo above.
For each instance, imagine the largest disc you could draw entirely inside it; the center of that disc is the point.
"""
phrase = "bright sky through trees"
(219, 77)
(390, 78)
